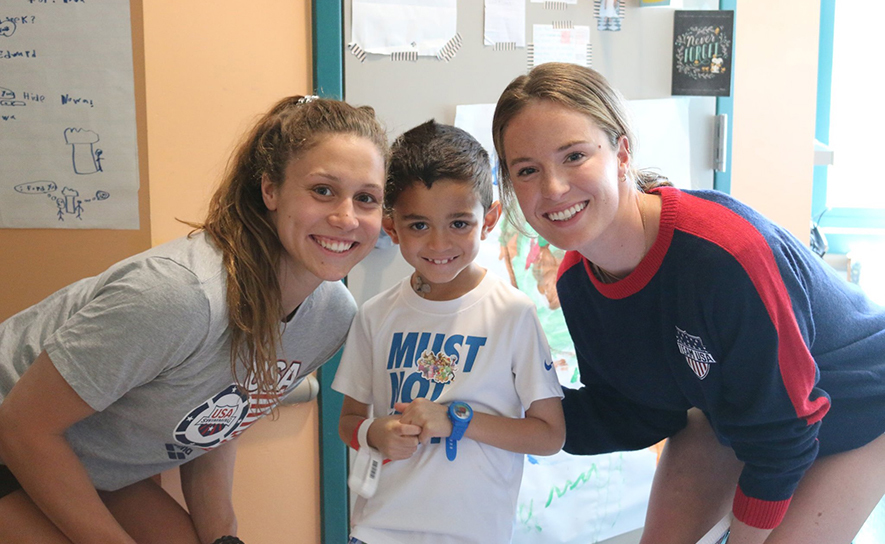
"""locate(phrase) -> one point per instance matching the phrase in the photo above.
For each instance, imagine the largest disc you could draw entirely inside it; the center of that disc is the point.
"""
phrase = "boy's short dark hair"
(432, 151)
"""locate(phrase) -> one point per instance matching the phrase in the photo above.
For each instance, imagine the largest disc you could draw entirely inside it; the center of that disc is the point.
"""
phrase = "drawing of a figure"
(98, 159)
(83, 151)
(70, 203)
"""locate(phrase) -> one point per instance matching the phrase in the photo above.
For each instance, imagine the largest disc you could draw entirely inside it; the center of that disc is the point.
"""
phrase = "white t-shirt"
(485, 348)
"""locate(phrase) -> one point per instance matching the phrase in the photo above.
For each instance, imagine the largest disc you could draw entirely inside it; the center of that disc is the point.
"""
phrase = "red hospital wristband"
(354, 440)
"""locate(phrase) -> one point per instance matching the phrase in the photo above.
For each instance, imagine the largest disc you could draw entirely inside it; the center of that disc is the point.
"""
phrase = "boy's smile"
(439, 231)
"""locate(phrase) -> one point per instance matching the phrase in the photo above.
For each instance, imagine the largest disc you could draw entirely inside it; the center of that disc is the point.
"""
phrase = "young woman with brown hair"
(169, 355)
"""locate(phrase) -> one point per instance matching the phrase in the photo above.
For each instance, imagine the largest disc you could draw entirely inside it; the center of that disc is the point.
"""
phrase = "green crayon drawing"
(526, 516)
(583, 478)
(604, 476)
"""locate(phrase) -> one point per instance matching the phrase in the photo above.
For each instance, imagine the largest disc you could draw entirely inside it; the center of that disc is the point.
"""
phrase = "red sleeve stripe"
(734, 234)
(758, 513)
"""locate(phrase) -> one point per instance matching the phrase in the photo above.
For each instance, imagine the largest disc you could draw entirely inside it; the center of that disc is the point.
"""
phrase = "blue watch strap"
(460, 414)
(451, 448)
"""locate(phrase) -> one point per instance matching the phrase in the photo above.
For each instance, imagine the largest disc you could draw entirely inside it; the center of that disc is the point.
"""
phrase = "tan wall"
(775, 94)
(276, 479)
(212, 66)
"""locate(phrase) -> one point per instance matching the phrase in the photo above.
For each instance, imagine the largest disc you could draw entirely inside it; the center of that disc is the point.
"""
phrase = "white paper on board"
(383, 27)
(67, 117)
(552, 44)
(504, 22)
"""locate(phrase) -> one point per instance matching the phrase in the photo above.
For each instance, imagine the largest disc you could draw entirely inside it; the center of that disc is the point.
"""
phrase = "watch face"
(461, 411)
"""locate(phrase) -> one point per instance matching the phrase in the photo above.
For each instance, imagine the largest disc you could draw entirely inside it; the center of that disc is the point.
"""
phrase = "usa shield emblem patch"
(696, 355)
(215, 420)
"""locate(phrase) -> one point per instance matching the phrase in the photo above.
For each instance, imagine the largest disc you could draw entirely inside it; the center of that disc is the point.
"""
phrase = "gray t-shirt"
(147, 345)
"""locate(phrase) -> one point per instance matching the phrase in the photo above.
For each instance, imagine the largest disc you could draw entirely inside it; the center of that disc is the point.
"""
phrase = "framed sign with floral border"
(702, 52)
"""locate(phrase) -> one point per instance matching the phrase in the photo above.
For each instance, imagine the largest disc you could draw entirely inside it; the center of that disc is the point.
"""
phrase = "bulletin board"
(674, 133)
(563, 499)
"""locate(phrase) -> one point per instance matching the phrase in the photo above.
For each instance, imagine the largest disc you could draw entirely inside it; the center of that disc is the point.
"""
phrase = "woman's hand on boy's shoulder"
(432, 418)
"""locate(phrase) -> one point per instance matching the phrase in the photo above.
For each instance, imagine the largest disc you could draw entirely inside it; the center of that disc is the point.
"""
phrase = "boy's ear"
(390, 228)
(268, 192)
(491, 219)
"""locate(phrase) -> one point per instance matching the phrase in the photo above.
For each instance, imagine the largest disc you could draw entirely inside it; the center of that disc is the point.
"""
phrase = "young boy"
(447, 342)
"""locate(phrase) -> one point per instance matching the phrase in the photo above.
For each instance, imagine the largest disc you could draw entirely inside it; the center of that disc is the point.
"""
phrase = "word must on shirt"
(435, 356)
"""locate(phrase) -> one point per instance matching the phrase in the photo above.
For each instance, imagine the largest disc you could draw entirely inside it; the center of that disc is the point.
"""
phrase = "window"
(848, 201)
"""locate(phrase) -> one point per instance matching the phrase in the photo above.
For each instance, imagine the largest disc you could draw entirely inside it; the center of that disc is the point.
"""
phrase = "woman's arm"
(741, 533)
(540, 432)
(207, 484)
(33, 420)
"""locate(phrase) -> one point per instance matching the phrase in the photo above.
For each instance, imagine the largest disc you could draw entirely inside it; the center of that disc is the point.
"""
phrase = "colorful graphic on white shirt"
(419, 368)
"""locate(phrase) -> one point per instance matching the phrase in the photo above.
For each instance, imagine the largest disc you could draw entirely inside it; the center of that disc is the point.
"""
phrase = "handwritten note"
(552, 44)
(67, 115)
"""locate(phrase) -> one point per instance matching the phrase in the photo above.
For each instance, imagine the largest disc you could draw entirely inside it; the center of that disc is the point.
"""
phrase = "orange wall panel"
(213, 66)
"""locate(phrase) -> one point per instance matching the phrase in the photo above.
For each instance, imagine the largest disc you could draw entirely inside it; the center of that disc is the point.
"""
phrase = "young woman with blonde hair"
(694, 318)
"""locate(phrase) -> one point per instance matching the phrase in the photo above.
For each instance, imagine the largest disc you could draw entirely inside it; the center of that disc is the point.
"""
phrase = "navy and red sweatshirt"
(731, 314)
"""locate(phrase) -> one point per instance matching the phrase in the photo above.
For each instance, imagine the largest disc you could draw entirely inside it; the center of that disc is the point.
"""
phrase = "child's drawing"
(68, 204)
(86, 157)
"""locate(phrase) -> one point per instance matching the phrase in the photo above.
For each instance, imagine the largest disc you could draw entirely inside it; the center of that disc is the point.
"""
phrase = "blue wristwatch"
(460, 413)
